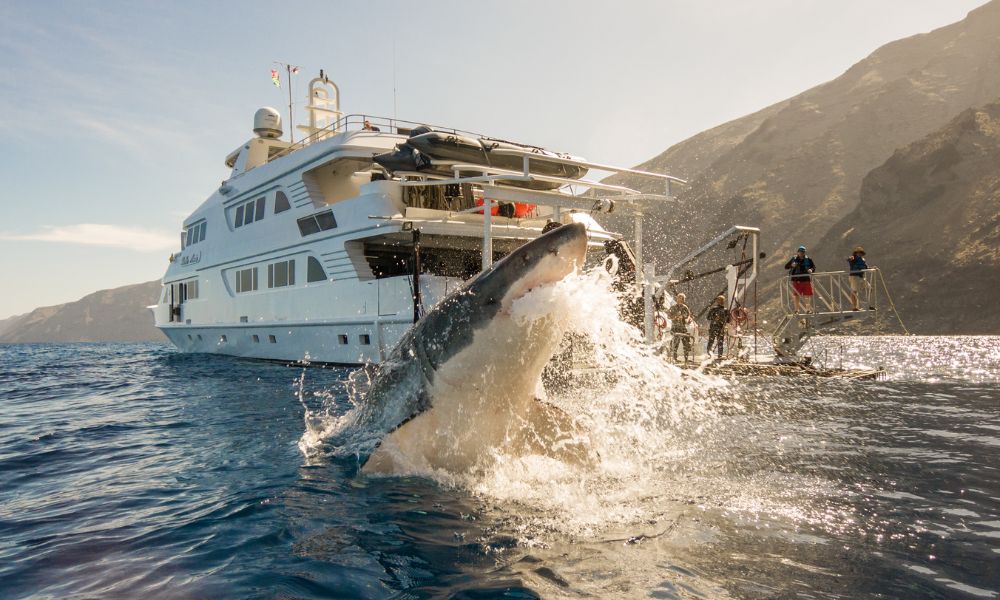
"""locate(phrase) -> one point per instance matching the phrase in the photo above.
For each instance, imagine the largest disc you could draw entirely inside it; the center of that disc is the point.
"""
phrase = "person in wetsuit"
(679, 315)
(718, 318)
(801, 267)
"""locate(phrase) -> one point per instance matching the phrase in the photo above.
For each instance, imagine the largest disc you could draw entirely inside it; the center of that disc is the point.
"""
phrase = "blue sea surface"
(132, 470)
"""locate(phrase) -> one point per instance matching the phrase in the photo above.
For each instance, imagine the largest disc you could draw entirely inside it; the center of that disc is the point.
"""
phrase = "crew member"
(718, 317)
(679, 315)
(858, 267)
(369, 127)
(802, 267)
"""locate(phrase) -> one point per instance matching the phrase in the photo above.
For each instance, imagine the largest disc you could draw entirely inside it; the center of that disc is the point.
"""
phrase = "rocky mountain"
(796, 168)
(116, 315)
(930, 216)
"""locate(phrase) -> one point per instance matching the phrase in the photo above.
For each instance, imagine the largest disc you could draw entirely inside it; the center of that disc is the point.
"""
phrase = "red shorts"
(802, 287)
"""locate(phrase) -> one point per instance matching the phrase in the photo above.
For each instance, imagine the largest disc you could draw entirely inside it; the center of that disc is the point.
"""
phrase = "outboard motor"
(404, 158)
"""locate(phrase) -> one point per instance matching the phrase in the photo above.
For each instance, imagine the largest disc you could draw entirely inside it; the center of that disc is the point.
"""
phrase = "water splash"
(638, 415)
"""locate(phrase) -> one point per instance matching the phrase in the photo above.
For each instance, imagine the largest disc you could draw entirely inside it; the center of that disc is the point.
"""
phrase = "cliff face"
(796, 168)
(118, 314)
(930, 217)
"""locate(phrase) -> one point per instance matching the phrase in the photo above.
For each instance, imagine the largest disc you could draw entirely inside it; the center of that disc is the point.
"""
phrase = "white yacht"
(329, 249)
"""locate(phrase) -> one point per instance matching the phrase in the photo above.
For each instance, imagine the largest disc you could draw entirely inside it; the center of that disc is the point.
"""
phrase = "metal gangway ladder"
(831, 307)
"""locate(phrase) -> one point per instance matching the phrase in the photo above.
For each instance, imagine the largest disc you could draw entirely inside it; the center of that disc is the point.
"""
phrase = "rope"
(892, 304)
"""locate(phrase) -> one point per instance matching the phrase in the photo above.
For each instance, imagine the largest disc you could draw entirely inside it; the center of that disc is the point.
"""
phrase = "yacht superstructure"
(330, 248)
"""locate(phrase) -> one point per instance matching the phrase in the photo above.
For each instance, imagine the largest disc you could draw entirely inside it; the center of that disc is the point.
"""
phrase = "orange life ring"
(739, 315)
(660, 321)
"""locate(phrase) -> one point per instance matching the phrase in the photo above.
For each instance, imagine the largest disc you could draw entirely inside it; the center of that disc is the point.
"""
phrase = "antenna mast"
(289, 70)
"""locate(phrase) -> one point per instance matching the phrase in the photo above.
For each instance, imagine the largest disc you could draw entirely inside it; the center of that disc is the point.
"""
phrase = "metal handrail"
(345, 122)
(831, 288)
(394, 126)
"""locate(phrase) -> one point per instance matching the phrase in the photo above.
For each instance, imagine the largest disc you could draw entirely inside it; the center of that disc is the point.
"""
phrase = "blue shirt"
(858, 264)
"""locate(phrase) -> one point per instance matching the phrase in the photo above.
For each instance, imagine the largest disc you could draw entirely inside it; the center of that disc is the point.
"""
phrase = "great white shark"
(461, 384)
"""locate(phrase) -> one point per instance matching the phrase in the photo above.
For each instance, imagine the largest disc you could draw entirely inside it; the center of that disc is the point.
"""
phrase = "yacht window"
(281, 274)
(308, 226)
(256, 338)
(272, 339)
(246, 280)
(326, 220)
(189, 289)
(248, 213)
(193, 234)
(317, 222)
(314, 270)
(365, 339)
(281, 203)
(342, 339)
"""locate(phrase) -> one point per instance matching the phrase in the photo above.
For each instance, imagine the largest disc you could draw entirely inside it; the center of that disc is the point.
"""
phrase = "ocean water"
(131, 470)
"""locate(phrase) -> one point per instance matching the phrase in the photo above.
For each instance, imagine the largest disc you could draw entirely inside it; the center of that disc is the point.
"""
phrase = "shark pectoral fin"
(381, 462)
(407, 447)
(552, 432)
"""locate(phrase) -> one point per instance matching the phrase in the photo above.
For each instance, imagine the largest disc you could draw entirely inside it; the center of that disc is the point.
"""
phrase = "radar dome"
(267, 123)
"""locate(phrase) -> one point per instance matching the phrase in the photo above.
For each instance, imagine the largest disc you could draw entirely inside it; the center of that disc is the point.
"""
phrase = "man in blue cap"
(802, 267)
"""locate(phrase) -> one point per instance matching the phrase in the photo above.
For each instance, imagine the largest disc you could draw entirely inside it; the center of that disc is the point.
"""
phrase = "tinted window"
(314, 270)
(201, 232)
(248, 213)
(260, 208)
(281, 274)
(281, 203)
(239, 216)
(246, 280)
(308, 226)
(326, 220)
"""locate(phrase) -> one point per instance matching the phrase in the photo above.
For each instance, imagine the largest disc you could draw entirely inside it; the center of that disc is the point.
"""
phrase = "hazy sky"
(115, 117)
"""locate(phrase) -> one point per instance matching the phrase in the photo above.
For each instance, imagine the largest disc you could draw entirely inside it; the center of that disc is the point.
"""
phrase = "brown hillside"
(930, 217)
(795, 168)
(116, 315)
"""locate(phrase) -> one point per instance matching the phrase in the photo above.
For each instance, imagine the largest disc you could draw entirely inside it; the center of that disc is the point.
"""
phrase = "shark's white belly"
(482, 399)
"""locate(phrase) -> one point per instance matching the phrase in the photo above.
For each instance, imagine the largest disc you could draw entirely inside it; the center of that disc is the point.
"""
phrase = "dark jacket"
(858, 264)
(718, 316)
(800, 267)
(679, 314)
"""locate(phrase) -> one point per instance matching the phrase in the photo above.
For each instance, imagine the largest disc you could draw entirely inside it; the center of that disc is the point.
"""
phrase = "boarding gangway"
(831, 307)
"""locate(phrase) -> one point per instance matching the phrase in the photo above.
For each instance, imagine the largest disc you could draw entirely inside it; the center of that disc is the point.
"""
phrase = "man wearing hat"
(857, 278)
(802, 267)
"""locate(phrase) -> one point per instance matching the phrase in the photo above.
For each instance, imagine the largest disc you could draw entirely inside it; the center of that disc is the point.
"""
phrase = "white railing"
(832, 293)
